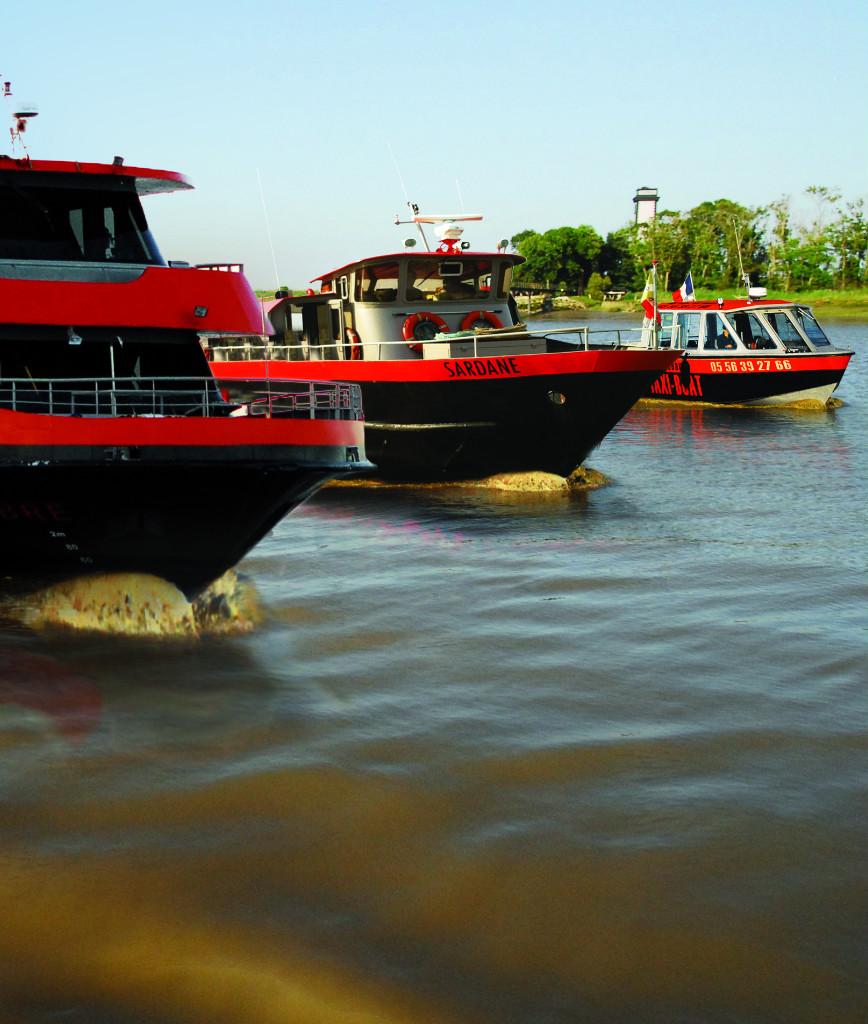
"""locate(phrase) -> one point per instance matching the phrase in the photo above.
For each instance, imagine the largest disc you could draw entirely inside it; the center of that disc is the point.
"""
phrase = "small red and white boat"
(454, 385)
(751, 351)
(117, 451)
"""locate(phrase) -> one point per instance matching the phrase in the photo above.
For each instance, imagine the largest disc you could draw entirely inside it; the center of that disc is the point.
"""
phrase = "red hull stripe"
(752, 364)
(161, 297)
(17, 428)
(408, 371)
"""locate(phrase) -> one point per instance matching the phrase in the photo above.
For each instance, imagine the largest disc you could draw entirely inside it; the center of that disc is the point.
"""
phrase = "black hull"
(694, 385)
(430, 430)
(182, 518)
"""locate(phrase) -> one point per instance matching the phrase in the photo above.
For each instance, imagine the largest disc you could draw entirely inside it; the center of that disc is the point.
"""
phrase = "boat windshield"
(805, 320)
(96, 219)
(377, 283)
(448, 280)
(752, 331)
(787, 332)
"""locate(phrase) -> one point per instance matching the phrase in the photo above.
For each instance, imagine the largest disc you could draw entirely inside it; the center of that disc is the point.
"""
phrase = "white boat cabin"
(414, 304)
(706, 328)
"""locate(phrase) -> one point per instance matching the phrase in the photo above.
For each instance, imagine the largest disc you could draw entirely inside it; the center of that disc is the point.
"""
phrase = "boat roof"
(418, 254)
(725, 304)
(148, 179)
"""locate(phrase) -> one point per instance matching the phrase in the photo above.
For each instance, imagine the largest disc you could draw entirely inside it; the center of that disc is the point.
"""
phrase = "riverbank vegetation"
(719, 242)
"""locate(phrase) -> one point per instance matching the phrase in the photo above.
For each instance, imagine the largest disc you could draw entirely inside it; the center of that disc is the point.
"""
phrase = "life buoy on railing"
(480, 318)
(414, 332)
(355, 343)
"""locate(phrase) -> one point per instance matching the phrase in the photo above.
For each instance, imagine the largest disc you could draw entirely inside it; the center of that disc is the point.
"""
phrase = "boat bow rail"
(465, 343)
(173, 396)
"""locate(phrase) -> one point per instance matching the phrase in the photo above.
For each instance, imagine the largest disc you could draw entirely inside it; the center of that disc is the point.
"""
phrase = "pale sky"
(534, 115)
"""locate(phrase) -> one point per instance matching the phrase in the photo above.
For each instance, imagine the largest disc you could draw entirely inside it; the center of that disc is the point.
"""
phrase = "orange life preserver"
(355, 343)
(473, 318)
(413, 321)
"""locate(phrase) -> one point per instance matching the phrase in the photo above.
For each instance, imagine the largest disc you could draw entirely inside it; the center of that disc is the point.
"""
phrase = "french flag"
(685, 293)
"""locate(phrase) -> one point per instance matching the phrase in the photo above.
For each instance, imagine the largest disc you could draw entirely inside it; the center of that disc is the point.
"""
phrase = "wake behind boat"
(117, 451)
(454, 385)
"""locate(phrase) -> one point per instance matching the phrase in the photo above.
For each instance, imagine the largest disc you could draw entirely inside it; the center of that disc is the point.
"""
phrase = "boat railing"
(475, 344)
(177, 396)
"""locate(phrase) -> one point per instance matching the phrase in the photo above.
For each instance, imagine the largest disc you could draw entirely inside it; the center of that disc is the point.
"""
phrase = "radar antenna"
(21, 115)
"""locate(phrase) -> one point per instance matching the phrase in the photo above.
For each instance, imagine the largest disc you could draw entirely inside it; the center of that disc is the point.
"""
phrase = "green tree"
(560, 257)
(517, 239)
(847, 235)
(597, 286)
(724, 241)
(663, 240)
(617, 263)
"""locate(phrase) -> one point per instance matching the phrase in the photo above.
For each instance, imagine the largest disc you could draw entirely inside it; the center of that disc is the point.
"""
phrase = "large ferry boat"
(454, 385)
(117, 450)
(751, 351)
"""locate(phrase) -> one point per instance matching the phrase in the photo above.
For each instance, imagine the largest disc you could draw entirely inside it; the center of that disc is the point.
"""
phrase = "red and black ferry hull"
(753, 380)
(181, 499)
(453, 419)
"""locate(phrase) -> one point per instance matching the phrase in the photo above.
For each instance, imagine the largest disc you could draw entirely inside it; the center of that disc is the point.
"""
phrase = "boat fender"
(411, 325)
(355, 343)
(480, 318)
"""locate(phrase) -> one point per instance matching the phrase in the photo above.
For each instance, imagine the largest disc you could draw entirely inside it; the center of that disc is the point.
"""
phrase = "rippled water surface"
(524, 761)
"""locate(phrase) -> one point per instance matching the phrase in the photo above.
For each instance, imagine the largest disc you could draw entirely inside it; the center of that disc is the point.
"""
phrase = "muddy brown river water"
(512, 760)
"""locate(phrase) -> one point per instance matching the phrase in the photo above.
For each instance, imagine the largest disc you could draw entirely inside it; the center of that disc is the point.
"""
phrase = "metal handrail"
(248, 351)
(176, 396)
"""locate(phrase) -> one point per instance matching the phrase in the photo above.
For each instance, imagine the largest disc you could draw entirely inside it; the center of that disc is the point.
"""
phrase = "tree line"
(717, 241)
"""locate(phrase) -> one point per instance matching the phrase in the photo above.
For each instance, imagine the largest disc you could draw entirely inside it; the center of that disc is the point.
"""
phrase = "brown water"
(488, 759)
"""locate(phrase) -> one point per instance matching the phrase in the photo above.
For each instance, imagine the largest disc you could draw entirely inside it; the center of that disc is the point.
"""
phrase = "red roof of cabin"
(148, 179)
(417, 254)
(726, 304)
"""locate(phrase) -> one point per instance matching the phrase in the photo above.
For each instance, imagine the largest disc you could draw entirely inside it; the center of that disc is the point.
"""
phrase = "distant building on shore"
(645, 202)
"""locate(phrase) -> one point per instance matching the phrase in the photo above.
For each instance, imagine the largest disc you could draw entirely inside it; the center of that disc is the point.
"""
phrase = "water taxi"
(751, 351)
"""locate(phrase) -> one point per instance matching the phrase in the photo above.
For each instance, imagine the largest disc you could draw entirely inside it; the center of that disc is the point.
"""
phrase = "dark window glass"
(438, 280)
(377, 283)
(809, 325)
(751, 331)
(88, 221)
(787, 332)
(718, 336)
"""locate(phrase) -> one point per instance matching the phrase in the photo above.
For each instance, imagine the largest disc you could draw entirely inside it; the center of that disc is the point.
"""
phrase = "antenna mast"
(20, 117)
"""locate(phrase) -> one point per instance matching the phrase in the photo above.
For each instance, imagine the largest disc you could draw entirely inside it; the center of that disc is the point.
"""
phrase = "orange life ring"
(355, 343)
(472, 319)
(412, 323)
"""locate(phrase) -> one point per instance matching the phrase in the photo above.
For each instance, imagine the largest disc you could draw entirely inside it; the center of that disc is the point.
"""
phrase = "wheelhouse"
(733, 326)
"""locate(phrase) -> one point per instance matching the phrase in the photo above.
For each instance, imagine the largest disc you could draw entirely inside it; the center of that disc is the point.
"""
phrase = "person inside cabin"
(726, 340)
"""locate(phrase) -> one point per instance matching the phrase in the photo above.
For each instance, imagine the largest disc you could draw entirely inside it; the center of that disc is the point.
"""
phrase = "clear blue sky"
(536, 115)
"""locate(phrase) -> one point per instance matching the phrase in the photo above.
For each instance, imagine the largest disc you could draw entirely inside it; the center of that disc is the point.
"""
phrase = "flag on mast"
(685, 293)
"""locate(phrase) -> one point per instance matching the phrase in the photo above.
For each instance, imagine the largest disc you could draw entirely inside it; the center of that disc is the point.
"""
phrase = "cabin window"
(787, 331)
(752, 331)
(665, 333)
(688, 329)
(438, 280)
(504, 280)
(90, 222)
(805, 320)
(718, 334)
(377, 283)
